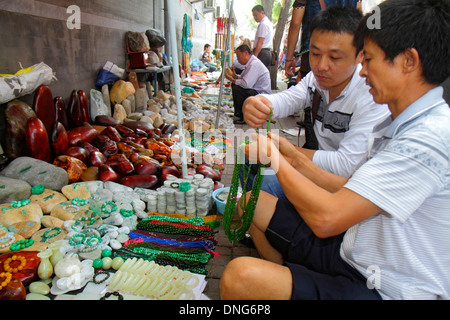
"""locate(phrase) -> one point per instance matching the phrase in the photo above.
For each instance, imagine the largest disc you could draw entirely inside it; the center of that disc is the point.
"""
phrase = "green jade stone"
(97, 264)
(184, 186)
(38, 189)
(106, 253)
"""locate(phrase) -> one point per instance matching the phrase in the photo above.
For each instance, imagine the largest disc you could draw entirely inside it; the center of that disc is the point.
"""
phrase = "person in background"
(263, 43)
(254, 80)
(207, 58)
(237, 67)
(383, 233)
(303, 11)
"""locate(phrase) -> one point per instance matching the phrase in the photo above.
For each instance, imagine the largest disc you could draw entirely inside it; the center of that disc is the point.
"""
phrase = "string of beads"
(237, 233)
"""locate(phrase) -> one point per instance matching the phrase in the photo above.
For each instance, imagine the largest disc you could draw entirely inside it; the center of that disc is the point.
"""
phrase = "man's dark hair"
(206, 46)
(337, 19)
(258, 8)
(420, 24)
(244, 48)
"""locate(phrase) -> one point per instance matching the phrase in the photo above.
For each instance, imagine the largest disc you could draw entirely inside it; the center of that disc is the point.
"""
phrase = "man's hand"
(289, 68)
(287, 149)
(230, 78)
(260, 149)
(256, 111)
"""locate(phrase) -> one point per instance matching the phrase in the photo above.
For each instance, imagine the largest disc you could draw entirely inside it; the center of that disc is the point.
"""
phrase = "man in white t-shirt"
(263, 37)
(383, 233)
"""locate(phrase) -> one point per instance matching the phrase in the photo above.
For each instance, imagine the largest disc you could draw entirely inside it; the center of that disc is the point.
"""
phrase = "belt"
(266, 49)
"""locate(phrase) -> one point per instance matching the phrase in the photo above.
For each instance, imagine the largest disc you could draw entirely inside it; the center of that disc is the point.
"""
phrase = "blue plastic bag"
(109, 74)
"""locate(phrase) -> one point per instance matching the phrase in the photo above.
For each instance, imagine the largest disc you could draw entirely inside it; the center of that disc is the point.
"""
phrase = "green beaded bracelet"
(126, 213)
(20, 203)
(93, 237)
(38, 189)
(90, 219)
(46, 235)
(79, 202)
(105, 209)
(72, 241)
(21, 244)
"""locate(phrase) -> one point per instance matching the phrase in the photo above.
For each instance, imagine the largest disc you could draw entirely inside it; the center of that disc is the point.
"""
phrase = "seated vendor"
(254, 80)
(207, 58)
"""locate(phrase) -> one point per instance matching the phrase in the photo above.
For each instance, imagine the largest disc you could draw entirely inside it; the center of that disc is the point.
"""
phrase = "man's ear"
(360, 57)
(411, 60)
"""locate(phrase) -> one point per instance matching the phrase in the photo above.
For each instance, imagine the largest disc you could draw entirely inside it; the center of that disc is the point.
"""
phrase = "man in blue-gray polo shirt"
(383, 233)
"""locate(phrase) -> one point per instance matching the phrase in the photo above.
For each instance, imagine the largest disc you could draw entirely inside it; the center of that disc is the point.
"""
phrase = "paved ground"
(227, 251)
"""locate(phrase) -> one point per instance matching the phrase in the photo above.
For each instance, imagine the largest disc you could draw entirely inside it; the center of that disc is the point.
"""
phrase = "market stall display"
(82, 196)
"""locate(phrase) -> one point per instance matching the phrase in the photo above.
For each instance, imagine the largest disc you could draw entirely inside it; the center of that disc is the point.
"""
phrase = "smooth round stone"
(115, 244)
(107, 263)
(36, 296)
(39, 287)
(106, 253)
(98, 263)
(117, 263)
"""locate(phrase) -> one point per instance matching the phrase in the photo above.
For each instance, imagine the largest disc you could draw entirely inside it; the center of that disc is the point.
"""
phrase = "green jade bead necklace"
(237, 233)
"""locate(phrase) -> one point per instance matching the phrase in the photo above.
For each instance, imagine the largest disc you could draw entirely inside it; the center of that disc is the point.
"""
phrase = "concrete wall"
(203, 26)
(35, 31)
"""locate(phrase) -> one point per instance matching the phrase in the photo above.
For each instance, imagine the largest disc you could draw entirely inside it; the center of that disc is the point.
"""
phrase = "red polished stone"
(79, 153)
(17, 114)
(61, 112)
(73, 166)
(44, 107)
(125, 149)
(15, 290)
(120, 164)
(59, 139)
(86, 145)
(29, 272)
(208, 172)
(106, 173)
(112, 133)
(140, 181)
(139, 125)
(76, 117)
(82, 133)
(125, 131)
(145, 167)
(104, 120)
(84, 104)
(37, 140)
(106, 146)
(96, 159)
(169, 170)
